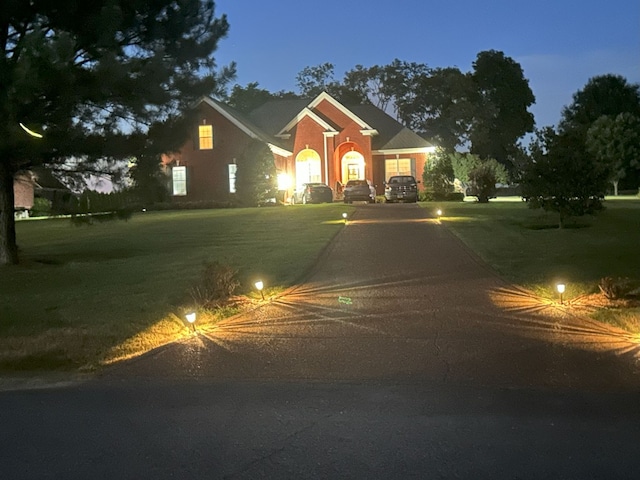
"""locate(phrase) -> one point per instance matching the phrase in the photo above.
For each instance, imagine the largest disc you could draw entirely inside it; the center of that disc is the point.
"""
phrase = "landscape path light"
(259, 286)
(561, 288)
(439, 213)
(344, 216)
(191, 318)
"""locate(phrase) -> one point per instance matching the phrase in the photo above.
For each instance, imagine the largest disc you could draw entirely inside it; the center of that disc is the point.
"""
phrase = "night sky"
(559, 44)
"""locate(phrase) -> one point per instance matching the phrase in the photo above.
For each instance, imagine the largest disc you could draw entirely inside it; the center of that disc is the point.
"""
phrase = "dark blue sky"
(560, 44)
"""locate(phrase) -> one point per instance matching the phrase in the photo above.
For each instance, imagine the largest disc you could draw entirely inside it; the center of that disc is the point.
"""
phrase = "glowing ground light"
(560, 287)
(344, 216)
(30, 132)
(439, 213)
(259, 286)
(191, 318)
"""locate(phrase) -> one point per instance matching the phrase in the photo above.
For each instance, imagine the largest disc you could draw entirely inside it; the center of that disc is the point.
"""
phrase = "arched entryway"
(349, 163)
(308, 167)
(352, 166)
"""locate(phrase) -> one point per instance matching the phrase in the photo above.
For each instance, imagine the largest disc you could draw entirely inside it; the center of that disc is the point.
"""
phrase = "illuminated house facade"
(318, 140)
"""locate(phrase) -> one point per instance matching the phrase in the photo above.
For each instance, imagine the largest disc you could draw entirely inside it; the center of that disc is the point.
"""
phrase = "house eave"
(306, 112)
(276, 150)
(403, 151)
(325, 96)
(230, 117)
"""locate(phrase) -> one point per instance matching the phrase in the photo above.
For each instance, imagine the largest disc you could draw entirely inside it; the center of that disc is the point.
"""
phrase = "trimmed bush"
(216, 285)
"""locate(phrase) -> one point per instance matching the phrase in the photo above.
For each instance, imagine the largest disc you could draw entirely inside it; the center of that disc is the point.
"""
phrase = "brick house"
(318, 140)
(37, 182)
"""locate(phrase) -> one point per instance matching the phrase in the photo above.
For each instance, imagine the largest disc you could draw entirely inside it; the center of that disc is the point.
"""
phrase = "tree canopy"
(247, 99)
(477, 176)
(615, 141)
(602, 95)
(485, 109)
(99, 80)
(501, 98)
(560, 177)
(256, 181)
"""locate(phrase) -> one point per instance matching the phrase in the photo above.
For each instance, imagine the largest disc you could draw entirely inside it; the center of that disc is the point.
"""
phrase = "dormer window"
(205, 137)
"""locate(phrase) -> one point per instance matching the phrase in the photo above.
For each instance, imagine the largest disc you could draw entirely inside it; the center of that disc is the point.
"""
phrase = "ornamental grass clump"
(615, 288)
(216, 285)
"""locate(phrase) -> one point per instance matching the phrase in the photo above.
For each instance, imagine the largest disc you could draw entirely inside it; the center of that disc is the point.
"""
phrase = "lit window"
(400, 166)
(232, 177)
(205, 135)
(179, 176)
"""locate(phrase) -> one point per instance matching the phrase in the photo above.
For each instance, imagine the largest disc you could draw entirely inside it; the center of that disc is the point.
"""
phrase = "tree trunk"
(615, 187)
(8, 246)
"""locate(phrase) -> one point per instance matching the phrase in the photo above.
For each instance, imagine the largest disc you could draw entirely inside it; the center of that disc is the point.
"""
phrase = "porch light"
(259, 286)
(560, 287)
(284, 181)
(191, 318)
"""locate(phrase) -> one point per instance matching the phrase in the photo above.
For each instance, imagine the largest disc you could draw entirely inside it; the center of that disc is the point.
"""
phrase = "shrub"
(41, 207)
(615, 288)
(216, 285)
(430, 196)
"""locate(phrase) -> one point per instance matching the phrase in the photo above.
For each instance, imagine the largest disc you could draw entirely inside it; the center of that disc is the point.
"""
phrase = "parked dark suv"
(401, 188)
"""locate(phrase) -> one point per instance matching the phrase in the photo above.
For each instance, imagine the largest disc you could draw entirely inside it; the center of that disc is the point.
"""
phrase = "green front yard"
(89, 295)
(526, 247)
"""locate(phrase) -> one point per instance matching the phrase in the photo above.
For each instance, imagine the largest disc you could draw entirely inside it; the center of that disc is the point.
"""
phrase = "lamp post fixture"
(561, 288)
(259, 286)
(191, 318)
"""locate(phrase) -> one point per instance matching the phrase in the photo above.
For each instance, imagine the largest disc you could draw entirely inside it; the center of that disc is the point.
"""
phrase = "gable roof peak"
(324, 96)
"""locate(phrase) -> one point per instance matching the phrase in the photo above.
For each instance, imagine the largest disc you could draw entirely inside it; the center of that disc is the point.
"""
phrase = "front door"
(352, 166)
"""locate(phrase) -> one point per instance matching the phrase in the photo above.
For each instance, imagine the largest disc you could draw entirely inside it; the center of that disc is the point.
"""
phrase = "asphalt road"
(401, 356)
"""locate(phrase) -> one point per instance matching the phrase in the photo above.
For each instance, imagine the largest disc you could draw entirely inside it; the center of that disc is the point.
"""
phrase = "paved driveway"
(401, 356)
(397, 297)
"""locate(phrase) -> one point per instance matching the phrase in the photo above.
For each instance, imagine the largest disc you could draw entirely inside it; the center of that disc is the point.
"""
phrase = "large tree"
(92, 77)
(441, 108)
(602, 95)
(385, 86)
(615, 141)
(501, 100)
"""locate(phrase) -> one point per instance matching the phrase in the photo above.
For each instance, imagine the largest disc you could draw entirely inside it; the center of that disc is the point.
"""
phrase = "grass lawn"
(526, 247)
(86, 295)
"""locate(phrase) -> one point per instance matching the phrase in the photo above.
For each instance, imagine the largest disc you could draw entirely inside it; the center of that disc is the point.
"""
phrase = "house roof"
(275, 114)
(247, 125)
(273, 119)
(45, 180)
(392, 135)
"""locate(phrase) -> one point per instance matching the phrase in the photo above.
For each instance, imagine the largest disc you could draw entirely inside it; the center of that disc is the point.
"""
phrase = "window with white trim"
(179, 180)
(233, 168)
(399, 166)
